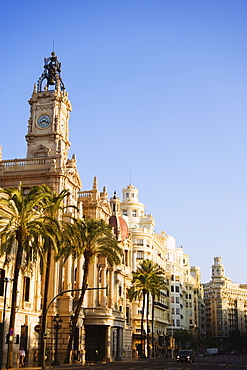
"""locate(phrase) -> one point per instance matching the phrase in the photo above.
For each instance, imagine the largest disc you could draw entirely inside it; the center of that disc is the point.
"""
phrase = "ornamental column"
(65, 302)
(111, 288)
(119, 344)
(79, 276)
(103, 300)
(107, 357)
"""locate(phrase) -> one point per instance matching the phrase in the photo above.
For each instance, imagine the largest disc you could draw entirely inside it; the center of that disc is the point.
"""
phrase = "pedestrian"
(22, 355)
(96, 355)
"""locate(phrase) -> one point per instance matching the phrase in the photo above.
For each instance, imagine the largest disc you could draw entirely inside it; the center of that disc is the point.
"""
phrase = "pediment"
(41, 151)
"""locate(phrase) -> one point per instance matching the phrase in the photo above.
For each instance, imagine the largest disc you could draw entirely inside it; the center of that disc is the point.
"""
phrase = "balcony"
(159, 304)
(13, 164)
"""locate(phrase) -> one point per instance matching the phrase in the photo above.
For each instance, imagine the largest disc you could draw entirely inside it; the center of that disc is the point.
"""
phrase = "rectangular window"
(125, 212)
(126, 258)
(139, 255)
(177, 311)
(177, 299)
(2, 276)
(134, 213)
(26, 290)
(177, 289)
(172, 288)
(139, 242)
(127, 195)
(127, 315)
(120, 290)
(178, 323)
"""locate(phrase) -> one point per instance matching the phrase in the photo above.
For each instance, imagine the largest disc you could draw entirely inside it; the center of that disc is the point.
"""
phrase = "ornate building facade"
(226, 304)
(180, 305)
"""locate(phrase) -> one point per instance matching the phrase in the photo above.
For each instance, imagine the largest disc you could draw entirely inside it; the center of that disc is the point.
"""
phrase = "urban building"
(181, 304)
(226, 304)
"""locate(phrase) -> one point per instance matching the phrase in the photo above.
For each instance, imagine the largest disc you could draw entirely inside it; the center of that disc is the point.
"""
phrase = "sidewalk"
(89, 363)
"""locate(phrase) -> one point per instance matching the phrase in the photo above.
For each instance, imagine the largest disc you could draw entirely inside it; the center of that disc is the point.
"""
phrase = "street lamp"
(5, 281)
(57, 326)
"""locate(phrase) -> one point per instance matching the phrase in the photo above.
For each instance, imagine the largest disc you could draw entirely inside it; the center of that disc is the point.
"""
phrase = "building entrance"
(95, 341)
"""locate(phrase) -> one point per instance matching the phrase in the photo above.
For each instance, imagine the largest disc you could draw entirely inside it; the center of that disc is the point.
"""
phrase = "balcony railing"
(11, 163)
(85, 194)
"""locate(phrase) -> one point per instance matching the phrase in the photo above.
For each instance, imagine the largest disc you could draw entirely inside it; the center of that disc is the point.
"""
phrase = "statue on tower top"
(52, 74)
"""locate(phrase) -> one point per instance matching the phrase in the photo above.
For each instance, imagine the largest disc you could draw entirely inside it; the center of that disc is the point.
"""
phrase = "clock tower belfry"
(48, 131)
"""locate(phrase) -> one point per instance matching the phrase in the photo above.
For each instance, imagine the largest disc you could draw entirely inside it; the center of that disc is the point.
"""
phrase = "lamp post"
(5, 281)
(57, 326)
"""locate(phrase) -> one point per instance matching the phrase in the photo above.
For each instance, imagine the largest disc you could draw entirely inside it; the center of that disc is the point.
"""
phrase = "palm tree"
(158, 284)
(54, 208)
(21, 225)
(90, 238)
(142, 282)
(138, 291)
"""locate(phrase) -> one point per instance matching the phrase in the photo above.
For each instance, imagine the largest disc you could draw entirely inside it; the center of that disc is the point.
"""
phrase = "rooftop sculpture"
(52, 74)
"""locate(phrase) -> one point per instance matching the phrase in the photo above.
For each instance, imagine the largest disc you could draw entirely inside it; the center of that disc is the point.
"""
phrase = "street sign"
(37, 328)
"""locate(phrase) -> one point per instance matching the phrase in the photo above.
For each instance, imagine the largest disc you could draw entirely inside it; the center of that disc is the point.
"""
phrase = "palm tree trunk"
(44, 309)
(153, 325)
(142, 323)
(77, 311)
(18, 259)
(147, 324)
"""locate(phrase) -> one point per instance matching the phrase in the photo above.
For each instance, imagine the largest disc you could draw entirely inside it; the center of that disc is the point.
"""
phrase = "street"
(223, 362)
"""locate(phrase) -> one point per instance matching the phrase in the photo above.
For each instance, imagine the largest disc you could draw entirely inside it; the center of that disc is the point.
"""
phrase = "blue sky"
(158, 88)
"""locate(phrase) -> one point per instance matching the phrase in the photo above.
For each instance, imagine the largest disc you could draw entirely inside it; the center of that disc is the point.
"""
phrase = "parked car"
(186, 355)
(211, 351)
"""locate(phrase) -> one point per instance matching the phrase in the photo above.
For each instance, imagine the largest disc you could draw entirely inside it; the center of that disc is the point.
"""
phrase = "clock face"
(44, 121)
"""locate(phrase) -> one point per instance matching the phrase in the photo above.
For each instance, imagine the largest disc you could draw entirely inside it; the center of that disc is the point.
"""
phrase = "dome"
(120, 227)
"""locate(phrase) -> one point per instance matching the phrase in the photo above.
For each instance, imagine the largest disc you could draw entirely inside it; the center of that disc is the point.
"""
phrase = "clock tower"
(48, 131)
(47, 160)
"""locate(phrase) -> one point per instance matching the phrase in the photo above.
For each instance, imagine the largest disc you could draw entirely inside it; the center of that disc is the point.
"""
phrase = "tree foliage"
(21, 230)
(88, 238)
(146, 278)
